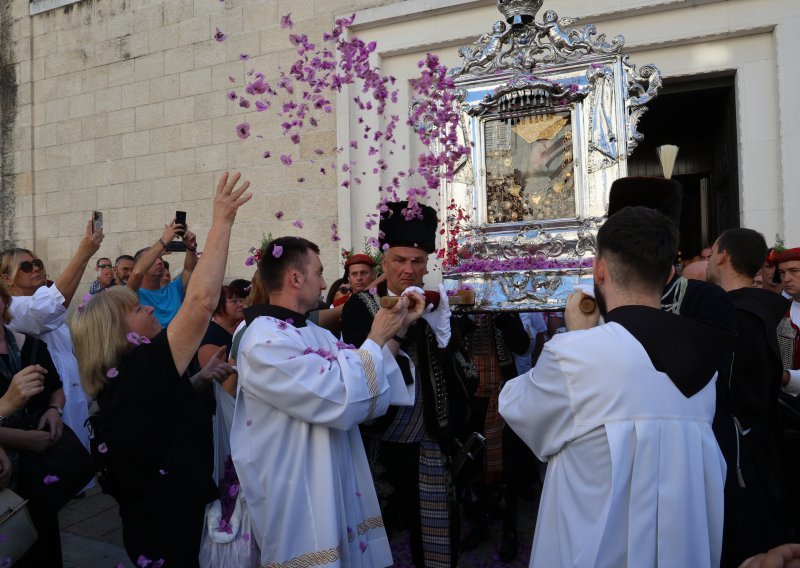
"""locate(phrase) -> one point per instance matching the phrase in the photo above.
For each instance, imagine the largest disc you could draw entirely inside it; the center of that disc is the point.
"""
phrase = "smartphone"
(180, 219)
(176, 246)
(97, 221)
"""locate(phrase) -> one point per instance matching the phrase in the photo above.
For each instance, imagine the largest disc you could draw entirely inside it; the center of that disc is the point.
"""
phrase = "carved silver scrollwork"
(516, 48)
(525, 94)
(642, 88)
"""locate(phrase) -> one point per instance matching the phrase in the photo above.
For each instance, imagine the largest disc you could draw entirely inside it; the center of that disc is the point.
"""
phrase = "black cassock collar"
(687, 351)
(277, 312)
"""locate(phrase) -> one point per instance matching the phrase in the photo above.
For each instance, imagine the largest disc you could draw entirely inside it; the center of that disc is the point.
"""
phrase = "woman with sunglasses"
(41, 311)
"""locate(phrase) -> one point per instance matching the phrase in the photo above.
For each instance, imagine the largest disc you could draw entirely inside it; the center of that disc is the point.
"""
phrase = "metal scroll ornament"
(551, 110)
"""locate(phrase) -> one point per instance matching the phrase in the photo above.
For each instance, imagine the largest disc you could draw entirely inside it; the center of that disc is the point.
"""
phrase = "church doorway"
(699, 116)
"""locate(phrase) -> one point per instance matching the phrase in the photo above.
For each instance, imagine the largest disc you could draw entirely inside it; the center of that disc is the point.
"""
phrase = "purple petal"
(277, 251)
(298, 223)
(286, 21)
(279, 215)
(162, 471)
(143, 561)
(286, 159)
(244, 57)
(102, 448)
(112, 373)
(267, 154)
(243, 130)
(50, 479)
(219, 36)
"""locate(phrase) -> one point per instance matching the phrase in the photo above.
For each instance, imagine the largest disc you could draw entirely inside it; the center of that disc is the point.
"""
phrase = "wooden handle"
(588, 304)
(460, 298)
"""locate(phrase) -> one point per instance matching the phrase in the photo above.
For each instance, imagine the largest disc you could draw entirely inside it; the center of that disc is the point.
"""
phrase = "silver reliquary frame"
(550, 111)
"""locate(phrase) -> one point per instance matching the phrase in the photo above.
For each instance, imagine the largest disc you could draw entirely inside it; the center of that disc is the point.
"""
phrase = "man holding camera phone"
(145, 279)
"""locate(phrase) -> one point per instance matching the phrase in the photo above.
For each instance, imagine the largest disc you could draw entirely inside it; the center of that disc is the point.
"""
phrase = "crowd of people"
(254, 423)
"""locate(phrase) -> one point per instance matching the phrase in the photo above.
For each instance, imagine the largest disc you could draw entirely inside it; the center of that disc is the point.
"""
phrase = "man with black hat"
(706, 303)
(416, 443)
(635, 476)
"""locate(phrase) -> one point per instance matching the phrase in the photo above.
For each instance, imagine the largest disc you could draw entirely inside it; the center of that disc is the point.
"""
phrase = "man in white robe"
(622, 413)
(295, 440)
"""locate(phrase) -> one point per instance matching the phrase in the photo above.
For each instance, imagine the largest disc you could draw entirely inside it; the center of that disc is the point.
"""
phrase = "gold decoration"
(539, 127)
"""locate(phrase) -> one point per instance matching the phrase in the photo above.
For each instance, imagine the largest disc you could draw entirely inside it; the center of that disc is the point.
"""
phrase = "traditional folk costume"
(410, 449)
(789, 342)
(635, 476)
(296, 445)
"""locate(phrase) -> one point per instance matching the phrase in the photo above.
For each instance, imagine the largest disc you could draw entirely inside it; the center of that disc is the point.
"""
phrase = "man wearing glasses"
(105, 276)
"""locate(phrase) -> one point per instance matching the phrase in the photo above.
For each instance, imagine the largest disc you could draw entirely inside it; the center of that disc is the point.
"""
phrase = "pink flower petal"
(102, 448)
(243, 130)
(219, 36)
(112, 373)
(249, 422)
(286, 21)
(286, 159)
(50, 479)
(143, 561)
(298, 223)
(279, 215)
(244, 57)
(277, 251)
(133, 337)
(162, 471)
(267, 154)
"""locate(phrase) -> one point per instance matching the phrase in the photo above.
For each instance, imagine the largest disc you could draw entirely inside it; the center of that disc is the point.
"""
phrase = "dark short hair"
(165, 263)
(240, 287)
(640, 245)
(124, 257)
(747, 250)
(229, 291)
(96, 264)
(333, 289)
(140, 252)
(293, 255)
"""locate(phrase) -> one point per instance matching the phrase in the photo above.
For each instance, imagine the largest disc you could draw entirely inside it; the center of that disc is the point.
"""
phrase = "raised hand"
(229, 198)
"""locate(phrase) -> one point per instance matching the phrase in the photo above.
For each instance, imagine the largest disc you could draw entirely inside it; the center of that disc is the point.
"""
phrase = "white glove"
(439, 318)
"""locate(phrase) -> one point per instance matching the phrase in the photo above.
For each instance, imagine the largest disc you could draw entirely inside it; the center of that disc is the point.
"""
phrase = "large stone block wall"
(119, 106)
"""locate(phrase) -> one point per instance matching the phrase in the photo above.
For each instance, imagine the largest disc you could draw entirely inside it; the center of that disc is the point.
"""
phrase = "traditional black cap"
(401, 227)
(663, 195)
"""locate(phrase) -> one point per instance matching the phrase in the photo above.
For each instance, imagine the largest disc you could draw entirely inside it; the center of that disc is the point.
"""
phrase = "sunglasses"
(27, 266)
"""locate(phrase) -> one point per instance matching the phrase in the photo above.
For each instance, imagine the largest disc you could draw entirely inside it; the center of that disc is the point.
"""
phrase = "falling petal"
(133, 337)
(298, 223)
(244, 103)
(231, 78)
(86, 298)
(362, 546)
(244, 56)
(102, 448)
(249, 422)
(143, 561)
(50, 479)
(319, 151)
(286, 159)
(261, 106)
(286, 21)
(112, 373)
(277, 251)
(267, 154)
(219, 36)
(162, 471)
(158, 563)
(243, 130)
(246, 537)
(279, 215)
(301, 179)
(232, 96)
(144, 340)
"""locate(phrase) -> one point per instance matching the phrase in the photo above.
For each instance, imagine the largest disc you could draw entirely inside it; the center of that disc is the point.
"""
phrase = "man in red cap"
(788, 267)
(359, 270)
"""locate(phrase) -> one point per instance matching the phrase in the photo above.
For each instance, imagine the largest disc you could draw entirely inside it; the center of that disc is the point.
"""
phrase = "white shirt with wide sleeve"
(635, 476)
(44, 316)
(297, 448)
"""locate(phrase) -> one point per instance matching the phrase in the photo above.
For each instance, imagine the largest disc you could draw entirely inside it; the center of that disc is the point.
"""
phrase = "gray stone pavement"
(91, 533)
(91, 536)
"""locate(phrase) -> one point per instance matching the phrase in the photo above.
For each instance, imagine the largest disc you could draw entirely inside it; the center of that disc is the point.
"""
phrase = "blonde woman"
(157, 437)
(41, 311)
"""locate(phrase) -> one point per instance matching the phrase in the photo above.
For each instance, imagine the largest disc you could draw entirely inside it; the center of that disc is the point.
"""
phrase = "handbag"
(16, 526)
(55, 477)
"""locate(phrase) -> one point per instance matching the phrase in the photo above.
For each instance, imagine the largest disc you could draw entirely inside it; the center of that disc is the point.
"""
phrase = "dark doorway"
(699, 116)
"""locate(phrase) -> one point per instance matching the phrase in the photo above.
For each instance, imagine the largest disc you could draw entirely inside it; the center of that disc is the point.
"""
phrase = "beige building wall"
(120, 106)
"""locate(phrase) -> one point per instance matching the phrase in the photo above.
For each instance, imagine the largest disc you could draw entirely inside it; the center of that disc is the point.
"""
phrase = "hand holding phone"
(180, 219)
(97, 221)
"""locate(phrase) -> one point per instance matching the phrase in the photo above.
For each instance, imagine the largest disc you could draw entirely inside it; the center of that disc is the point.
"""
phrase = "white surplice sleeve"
(318, 384)
(537, 406)
(38, 314)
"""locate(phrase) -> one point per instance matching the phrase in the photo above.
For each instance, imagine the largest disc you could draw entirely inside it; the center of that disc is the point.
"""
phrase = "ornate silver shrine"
(551, 112)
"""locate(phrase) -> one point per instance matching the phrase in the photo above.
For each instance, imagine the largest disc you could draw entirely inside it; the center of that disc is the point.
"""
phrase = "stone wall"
(120, 106)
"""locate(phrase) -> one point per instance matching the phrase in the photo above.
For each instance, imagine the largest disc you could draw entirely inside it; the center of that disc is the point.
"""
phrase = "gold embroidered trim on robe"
(372, 380)
(310, 559)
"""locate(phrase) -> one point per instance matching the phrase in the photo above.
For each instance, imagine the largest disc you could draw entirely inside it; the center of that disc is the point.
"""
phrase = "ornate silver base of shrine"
(521, 290)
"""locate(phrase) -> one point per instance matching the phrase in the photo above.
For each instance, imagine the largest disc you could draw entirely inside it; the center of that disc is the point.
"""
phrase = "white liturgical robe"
(634, 476)
(297, 448)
